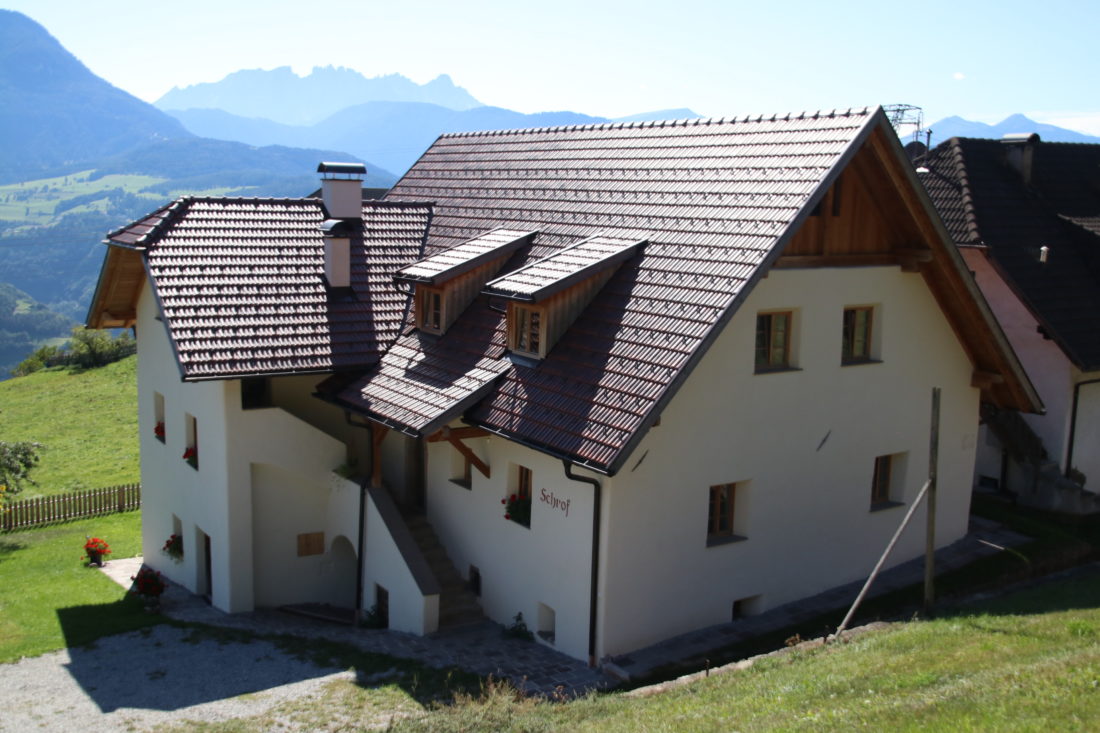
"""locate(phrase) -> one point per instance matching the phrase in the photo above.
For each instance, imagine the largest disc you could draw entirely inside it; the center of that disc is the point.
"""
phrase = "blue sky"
(981, 61)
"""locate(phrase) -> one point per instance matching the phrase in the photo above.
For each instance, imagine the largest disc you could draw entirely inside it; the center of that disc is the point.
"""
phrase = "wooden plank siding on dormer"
(559, 310)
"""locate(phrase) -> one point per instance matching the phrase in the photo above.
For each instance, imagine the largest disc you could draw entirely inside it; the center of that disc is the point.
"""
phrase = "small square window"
(518, 503)
(888, 481)
(773, 341)
(722, 518)
(856, 335)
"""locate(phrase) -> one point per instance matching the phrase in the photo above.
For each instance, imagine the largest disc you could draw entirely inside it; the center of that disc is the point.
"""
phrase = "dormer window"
(528, 331)
(547, 295)
(429, 309)
(448, 281)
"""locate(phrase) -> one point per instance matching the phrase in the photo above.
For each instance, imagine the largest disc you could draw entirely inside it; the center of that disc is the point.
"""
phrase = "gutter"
(597, 495)
(1073, 422)
(359, 559)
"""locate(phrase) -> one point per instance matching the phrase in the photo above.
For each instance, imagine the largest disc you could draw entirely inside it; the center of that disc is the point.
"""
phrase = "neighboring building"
(1026, 216)
(692, 362)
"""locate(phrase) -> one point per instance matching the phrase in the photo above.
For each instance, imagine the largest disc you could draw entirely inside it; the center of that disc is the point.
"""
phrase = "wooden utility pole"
(930, 536)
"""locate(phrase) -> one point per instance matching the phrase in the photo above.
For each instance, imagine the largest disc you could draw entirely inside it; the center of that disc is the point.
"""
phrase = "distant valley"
(80, 157)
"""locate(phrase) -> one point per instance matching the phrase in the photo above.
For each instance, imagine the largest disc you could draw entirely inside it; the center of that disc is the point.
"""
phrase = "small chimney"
(1020, 152)
(342, 189)
(337, 233)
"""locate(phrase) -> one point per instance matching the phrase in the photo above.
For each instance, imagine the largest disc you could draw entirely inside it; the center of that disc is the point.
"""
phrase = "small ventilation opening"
(546, 623)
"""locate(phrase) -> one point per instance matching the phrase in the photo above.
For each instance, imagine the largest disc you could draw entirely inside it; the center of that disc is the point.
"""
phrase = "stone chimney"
(1020, 153)
(342, 189)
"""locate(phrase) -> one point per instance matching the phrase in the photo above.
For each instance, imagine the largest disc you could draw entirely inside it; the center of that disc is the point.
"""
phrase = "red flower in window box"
(518, 509)
(158, 430)
(191, 455)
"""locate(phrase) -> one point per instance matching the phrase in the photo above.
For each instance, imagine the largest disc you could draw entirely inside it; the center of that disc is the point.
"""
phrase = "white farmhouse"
(628, 380)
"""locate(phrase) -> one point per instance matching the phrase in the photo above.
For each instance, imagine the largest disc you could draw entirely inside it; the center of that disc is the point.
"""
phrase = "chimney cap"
(349, 169)
(1021, 138)
(337, 228)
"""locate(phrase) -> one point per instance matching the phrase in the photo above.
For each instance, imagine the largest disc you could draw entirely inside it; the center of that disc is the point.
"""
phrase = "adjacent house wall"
(1046, 364)
(801, 446)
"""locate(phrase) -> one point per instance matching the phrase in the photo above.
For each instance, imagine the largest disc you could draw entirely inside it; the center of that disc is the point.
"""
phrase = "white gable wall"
(172, 487)
(801, 445)
(267, 454)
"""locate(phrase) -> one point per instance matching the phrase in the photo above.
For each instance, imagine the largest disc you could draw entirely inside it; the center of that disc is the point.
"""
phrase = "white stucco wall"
(293, 463)
(1046, 364)
(548, 563)
(801, 445)
(172, 487)
(410, 609)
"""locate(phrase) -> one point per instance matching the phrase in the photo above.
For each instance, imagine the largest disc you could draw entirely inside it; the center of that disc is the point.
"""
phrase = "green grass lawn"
(87, 421)
(50, 599)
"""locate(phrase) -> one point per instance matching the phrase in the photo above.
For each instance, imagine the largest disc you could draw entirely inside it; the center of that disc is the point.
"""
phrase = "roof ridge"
(966, 193)
(683, 122)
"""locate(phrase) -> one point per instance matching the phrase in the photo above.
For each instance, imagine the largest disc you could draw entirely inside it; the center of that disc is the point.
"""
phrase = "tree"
(16, 462)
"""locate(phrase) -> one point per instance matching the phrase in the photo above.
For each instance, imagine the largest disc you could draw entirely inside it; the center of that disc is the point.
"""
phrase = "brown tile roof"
(714, 198)
(556, 272)
(240, 283)
(985, 202)
(451, 263)
(424, 382)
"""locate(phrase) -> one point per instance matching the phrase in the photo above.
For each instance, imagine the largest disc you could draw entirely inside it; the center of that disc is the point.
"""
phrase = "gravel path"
(145, 680)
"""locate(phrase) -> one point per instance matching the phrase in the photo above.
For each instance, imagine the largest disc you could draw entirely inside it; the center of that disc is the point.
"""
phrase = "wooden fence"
(67, 507)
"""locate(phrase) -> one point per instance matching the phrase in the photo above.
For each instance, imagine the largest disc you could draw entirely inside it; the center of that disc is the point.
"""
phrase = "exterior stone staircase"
(458, 606)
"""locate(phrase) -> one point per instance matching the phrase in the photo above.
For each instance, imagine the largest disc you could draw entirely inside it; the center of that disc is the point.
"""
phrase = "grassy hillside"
(1025, 662)
(86, 419)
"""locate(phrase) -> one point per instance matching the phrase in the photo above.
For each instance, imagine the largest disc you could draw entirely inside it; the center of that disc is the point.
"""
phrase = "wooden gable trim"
(948, 278)
(114, 304)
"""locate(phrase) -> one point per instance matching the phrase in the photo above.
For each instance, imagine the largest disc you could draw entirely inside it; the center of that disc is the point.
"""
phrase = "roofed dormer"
(448, 281)
(546, 296)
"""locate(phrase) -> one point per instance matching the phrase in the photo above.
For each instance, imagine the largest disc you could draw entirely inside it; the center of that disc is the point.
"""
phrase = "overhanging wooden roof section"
(543, 278)
(460, 259)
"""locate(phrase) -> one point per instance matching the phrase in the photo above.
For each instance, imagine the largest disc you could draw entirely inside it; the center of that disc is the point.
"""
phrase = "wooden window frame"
(527, 324)
(722, 514)
(848, 335)
(523, 489)
(765, 327)
(430, 306)
(880, 481)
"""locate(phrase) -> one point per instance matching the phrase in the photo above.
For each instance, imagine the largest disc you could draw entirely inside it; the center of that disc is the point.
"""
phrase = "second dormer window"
(430, 316)
(528, 330)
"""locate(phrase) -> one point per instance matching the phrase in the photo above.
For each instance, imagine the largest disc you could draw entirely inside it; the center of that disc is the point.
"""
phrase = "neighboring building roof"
(240, 283)
(462, 258)
(715, 200)
(556, 272)
(986, 202)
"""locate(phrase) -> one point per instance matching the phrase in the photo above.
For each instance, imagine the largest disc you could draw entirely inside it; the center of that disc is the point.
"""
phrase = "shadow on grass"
(7, 547)
(175, 665)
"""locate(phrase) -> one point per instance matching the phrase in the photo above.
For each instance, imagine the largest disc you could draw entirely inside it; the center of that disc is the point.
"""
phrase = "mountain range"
(80, 157)
(282, 96)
